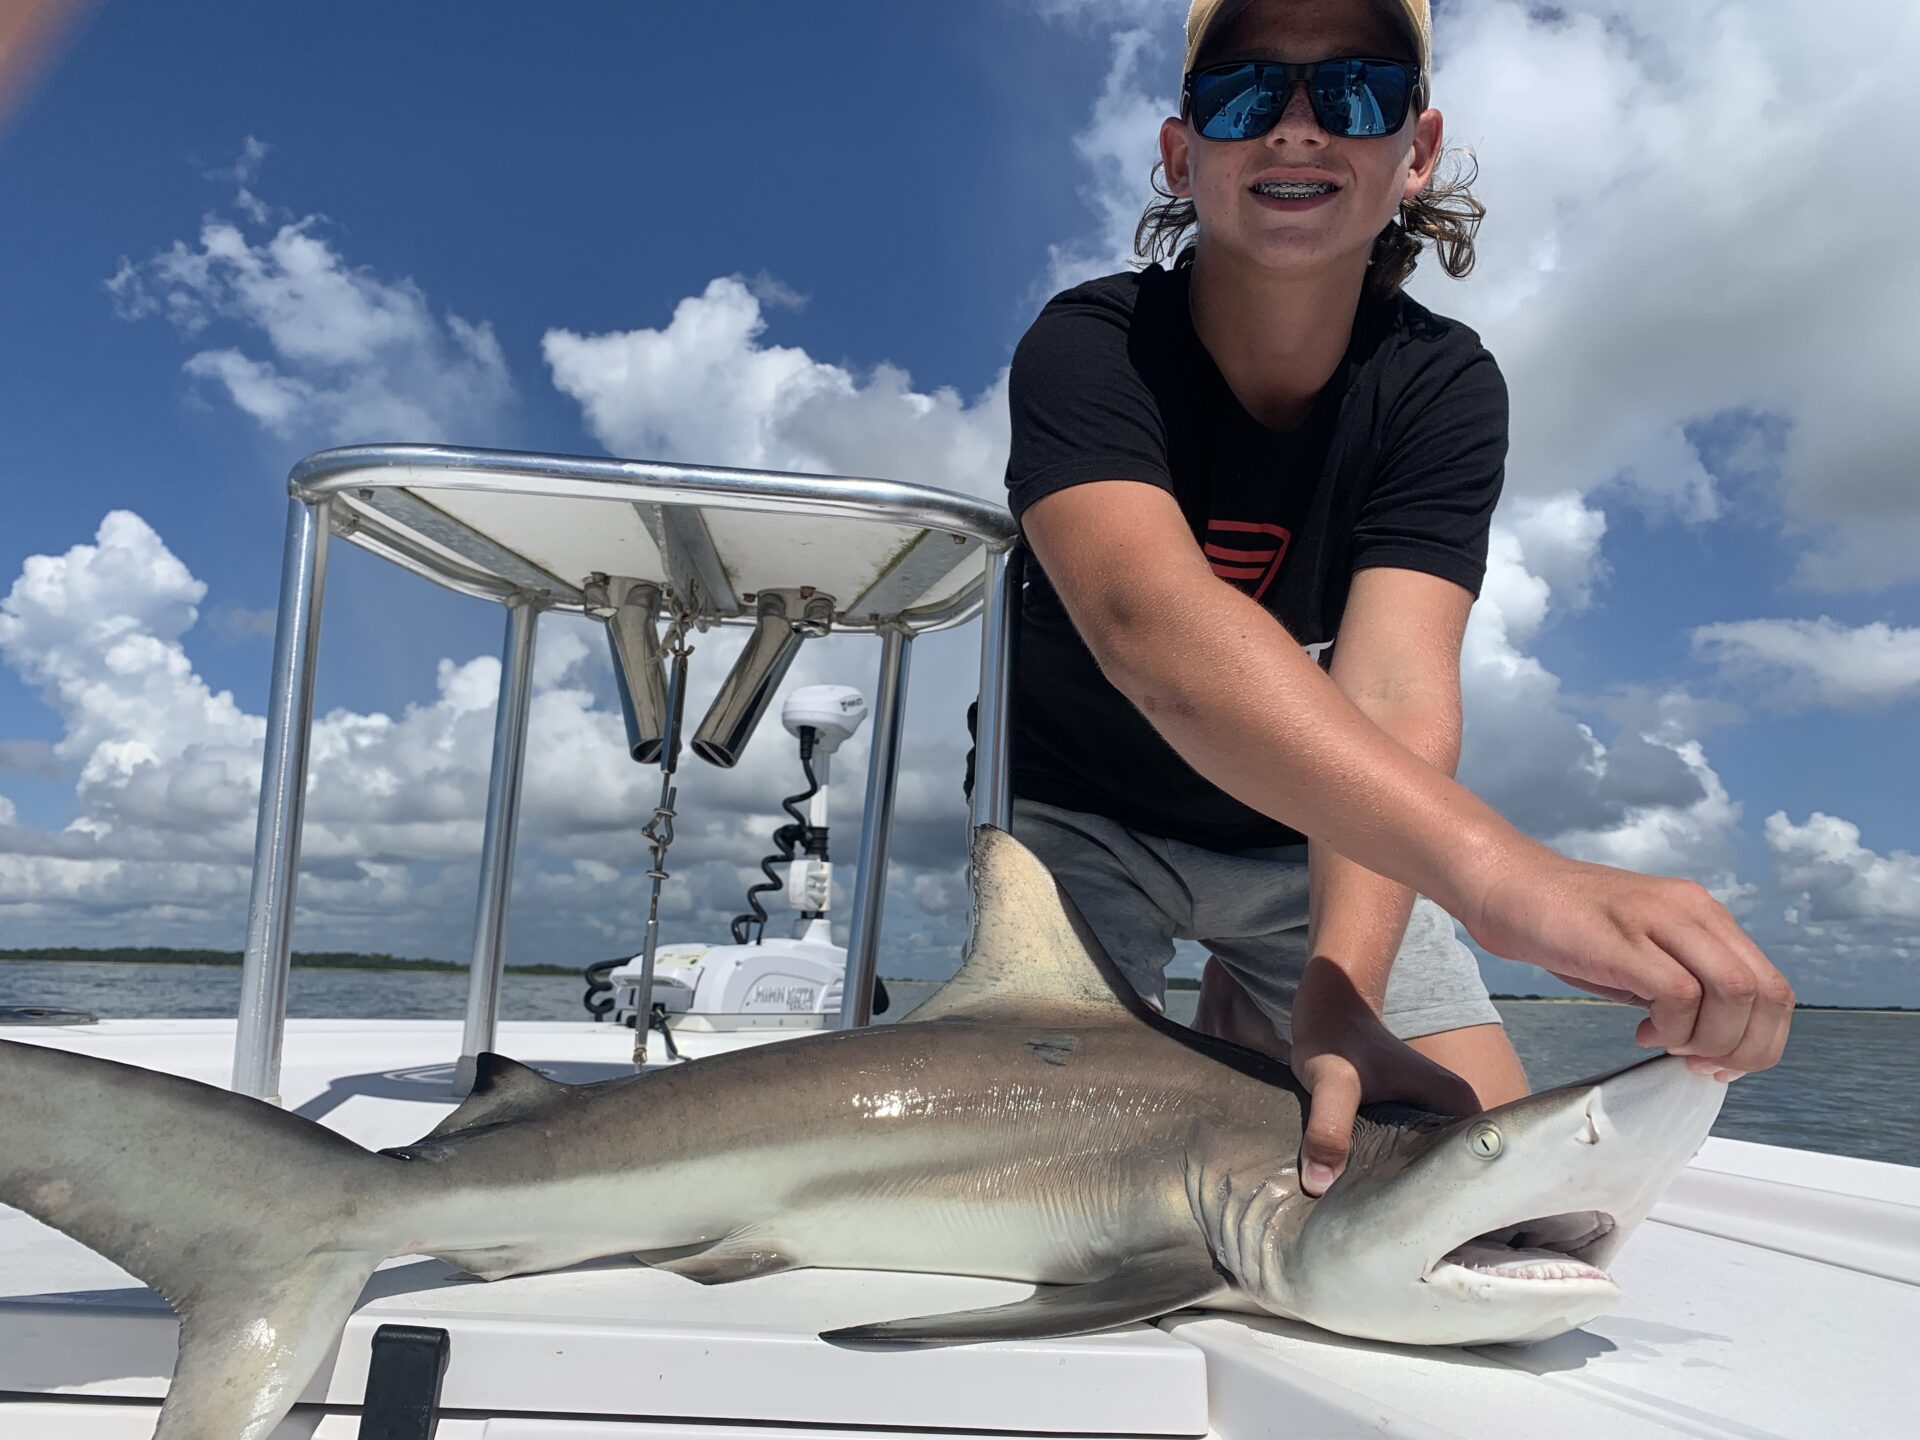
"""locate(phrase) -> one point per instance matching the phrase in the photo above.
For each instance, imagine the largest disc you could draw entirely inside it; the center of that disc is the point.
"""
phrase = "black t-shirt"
(1399, 464)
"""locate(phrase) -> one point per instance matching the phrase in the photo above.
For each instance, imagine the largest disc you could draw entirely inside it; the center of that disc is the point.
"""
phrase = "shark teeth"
(1512, 1264)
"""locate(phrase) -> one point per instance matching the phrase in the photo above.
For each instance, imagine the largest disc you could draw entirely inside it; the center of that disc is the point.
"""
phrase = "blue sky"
(1709, 425)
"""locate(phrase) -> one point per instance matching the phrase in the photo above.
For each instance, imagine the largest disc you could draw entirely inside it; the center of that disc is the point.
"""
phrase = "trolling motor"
(758, 982)
(822, 718)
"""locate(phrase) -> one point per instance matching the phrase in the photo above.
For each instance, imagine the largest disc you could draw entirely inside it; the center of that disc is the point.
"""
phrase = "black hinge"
(403, 1383)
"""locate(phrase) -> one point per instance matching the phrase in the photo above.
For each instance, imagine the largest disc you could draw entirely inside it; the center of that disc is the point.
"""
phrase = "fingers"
(1333, 1105)
(1728, 989)
(1709, 991)
(1673, 994)
(1772, 1014)
(1727, 1005)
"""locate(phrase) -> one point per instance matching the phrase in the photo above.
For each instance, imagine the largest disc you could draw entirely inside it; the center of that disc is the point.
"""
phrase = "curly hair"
(1445, 215)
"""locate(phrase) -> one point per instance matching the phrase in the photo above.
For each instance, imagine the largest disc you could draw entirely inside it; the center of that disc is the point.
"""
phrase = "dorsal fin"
(503, 1089)
(1031, 952)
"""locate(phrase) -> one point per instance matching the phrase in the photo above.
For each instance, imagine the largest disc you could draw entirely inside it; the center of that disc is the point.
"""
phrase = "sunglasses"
(1350, 97)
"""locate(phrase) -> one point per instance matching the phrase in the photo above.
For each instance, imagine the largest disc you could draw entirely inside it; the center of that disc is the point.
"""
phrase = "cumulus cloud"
(1119, 146)
(707, 388)
(1838, 878)
(1640, 282)
(161, 844)
(349, 355)
(1791, 663)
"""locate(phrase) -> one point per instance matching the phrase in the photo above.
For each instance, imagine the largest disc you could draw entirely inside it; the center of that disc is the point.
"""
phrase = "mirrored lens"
(1231, 103)
(1357, 97)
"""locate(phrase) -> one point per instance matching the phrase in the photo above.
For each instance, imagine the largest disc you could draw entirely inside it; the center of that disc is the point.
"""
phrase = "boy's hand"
(1665, 945)
(1342, 1053)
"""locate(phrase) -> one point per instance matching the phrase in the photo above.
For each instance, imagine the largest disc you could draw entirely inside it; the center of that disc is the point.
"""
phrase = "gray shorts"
(1140, 893)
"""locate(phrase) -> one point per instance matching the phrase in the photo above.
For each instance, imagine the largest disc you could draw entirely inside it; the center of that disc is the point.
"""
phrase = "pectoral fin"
(739, 1257)
(1144, 1288)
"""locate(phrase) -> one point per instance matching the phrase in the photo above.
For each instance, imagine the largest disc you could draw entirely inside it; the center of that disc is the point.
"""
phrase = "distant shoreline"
(302, 960)
(397, 964)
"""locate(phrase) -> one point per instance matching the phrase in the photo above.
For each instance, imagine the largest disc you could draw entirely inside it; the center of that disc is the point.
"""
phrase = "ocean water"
(1849, 1084)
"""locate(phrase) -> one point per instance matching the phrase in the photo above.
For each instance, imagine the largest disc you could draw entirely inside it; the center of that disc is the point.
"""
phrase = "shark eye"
(1485, 1141)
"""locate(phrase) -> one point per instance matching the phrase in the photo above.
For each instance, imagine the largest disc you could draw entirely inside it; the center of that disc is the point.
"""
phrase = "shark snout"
(1499, 1227)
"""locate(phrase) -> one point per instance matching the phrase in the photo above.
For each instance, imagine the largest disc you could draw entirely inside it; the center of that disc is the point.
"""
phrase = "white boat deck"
(1772, 1294)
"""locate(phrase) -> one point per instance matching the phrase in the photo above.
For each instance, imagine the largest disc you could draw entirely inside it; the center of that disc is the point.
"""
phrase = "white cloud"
(1119, 146)
(238, 622)
(1816, 662)
(1838, 878)
(169, 773)
(1648, 800)
(1665, 837)
(707, 389)
(1646, 264)
(350, 356)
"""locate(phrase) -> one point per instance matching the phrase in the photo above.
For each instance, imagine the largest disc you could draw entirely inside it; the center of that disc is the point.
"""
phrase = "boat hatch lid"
(498, 523)
(617, 1338)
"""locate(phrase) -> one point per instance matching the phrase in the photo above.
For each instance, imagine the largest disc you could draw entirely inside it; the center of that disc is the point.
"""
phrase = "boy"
(1268, 447)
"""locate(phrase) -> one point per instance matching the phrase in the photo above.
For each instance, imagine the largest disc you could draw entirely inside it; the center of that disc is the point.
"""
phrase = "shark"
(1034, 1120)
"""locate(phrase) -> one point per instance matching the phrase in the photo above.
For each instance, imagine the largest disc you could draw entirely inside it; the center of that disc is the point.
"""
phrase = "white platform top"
(493, 522)
(1770, 1296)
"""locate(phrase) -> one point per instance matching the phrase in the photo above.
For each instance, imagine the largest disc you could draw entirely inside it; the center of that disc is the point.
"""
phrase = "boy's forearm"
(1229, 689)
(1357, 919)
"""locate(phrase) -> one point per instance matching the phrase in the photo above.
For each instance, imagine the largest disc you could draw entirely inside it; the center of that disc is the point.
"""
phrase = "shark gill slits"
(1485, 1141)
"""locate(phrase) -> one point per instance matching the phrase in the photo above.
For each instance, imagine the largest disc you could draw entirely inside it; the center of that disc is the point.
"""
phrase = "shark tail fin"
(249, 1344)
(234, 1210)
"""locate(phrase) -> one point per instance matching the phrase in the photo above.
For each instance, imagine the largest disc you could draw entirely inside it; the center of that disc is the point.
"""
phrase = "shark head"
(1496, 1228)
(1490, 1229)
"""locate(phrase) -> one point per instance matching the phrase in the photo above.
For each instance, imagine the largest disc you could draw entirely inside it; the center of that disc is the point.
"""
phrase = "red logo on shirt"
(1247, 553)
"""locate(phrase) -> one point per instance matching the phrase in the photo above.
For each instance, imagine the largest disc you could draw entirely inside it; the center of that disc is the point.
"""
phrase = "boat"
(1770, 1294)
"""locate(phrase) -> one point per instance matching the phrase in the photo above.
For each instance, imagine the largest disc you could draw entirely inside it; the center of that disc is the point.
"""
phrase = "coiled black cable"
(599, 996)
(786, 839)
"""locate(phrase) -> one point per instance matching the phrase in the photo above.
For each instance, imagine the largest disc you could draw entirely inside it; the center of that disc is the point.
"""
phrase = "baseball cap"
(1205, 14)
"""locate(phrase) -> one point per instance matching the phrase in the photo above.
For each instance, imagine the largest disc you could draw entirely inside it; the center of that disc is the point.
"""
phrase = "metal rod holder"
(743, 697)
(283, 792)
(496, 849)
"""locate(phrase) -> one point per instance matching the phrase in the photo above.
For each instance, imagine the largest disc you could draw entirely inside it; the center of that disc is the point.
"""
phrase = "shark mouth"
(1554, 1247)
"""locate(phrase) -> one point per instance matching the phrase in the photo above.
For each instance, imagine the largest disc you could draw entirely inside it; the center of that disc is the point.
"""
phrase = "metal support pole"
(870, 881)
(283, 794)
(496, 849)
(992, 779)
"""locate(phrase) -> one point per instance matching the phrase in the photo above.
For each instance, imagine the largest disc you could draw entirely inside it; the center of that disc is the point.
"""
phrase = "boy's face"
(1373, 174)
